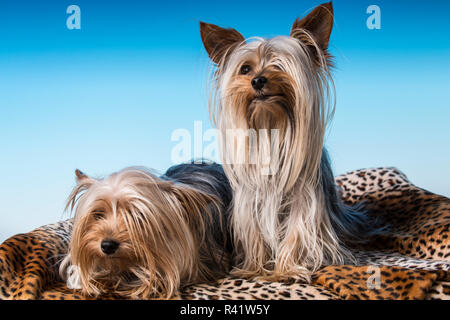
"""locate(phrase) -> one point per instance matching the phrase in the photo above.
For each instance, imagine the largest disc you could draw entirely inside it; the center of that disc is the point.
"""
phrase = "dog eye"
(98, 215)
(245, 69)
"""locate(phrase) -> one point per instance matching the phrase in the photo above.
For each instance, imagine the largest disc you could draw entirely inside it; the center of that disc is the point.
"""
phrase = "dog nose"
(109, 246)
(259, 82)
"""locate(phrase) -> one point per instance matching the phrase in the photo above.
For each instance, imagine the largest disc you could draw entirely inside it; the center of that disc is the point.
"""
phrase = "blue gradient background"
(110, 95)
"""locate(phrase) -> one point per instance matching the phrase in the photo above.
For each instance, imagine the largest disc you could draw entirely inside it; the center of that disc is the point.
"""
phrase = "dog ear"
(83, 183)
(219, 41)
(318, 23)
(80, 175)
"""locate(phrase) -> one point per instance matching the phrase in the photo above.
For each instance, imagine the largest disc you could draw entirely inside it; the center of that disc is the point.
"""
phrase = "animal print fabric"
(410, 262)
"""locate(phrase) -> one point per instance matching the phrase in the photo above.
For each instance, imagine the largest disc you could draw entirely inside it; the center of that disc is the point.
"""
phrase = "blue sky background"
(111, 94)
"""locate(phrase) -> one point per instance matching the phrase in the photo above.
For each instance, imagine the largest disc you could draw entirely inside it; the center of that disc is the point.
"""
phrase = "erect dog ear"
(219, 41)
(80, 175)
(318, 23)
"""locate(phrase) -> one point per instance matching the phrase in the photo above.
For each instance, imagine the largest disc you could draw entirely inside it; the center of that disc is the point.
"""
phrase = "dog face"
(264, 84)
(104, 242)
(281, 84)
(258, 90)
(134, 234)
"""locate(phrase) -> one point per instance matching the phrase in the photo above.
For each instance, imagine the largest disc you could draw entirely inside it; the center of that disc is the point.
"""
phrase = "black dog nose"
(259, 82)
(109, 246)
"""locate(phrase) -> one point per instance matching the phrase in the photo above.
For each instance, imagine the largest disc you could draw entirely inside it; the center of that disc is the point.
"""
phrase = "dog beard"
(269, 112)
(269, 108)
(109, 272)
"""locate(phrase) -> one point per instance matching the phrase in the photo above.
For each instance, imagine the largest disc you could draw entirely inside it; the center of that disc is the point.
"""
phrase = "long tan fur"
(159, 224)
(285, 221)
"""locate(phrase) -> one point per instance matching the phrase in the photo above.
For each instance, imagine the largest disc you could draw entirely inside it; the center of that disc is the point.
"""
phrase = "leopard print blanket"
(412, 262)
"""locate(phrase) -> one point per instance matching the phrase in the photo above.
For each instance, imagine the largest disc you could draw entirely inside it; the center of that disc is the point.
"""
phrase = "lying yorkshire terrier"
(143, 236)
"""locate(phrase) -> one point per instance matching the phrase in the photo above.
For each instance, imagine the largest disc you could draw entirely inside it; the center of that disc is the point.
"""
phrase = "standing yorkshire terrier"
(141, 236)
(288, 221)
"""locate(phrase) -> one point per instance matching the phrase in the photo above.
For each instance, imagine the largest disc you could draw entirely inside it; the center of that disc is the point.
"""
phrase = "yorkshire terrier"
(142, 236)
(291, 221)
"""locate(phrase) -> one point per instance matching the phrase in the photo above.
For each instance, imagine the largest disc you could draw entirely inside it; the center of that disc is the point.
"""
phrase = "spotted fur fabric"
(411, 262)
